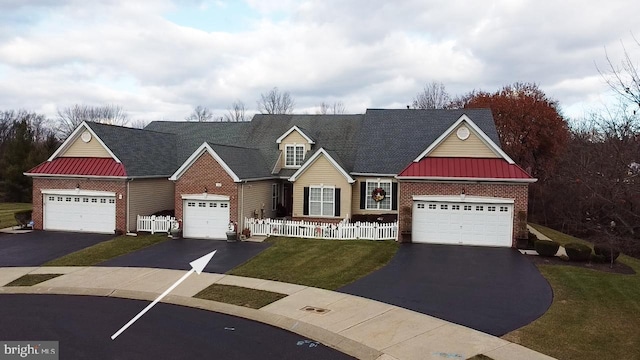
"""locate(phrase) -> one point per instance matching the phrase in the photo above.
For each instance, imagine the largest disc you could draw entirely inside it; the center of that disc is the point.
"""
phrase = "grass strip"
(7, 211)
(237, 295)
(106, 250)
(32, 279)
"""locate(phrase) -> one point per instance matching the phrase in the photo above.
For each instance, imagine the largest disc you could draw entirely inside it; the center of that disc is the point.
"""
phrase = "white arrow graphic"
(196, 265)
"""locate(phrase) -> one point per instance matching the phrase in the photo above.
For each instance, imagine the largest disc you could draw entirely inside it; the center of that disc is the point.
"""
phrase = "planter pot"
(176, 234)
(231, 236)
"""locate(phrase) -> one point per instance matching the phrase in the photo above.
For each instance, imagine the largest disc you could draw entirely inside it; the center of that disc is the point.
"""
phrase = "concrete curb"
(336, 341)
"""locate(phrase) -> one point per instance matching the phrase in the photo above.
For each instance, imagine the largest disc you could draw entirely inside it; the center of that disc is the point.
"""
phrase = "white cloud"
(363, 53)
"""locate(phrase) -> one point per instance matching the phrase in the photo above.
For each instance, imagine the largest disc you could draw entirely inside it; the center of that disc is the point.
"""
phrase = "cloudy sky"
(160, 58)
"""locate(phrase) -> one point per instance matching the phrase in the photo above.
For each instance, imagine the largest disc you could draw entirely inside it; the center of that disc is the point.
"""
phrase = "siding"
(80, 148)
(148, 196)
(322, 172)
(473, 146)
(257, 196)
(355, 198)
(293, 138)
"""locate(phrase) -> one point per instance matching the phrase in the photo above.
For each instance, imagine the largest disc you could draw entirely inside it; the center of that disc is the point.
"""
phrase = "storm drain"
(315, 310)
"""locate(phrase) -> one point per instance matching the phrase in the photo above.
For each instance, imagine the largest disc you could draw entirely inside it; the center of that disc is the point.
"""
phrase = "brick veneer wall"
(518, 192)
(206, 172)
(117, 186)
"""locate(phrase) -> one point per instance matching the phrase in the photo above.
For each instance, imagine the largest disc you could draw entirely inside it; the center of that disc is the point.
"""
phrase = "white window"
(455, 207)
(432, 206)
(321, 201)
(293, 155)
(213, 204)
(51, 198)
(420, 206)
(76, 199)
(491, 208)
(444, 207)
(94, 200)
(384, 204)
(202, 204)
(224, 205)
(191, 204)
(60, 198)
(112, 201)
(467, 207)
(275, 196)
(504, 209)
(103, 201)
(85, 200)
(479, 208)
(68, 199)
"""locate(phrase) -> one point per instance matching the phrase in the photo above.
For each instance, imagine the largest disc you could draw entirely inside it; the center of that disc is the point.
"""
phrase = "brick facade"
(117, 186)
(205, 172)
(518, 192)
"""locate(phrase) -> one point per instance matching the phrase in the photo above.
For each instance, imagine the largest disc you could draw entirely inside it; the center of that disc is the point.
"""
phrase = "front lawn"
(237, 295)
(7, 210)
(106, 250)
(327, 264)
(32, 279)
(594, 314)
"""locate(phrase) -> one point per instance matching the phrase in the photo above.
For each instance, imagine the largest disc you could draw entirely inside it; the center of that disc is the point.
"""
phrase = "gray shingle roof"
(391, 139)
(377, 142)
(142, 152)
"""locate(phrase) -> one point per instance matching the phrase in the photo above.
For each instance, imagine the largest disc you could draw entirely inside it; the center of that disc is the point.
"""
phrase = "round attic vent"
(463, 133)
(86, 136)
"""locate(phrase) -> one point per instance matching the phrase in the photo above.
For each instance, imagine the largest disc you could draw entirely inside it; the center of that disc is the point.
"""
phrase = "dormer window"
(294, 155)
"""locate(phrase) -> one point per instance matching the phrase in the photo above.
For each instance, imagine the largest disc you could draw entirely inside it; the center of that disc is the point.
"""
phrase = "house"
(440, 173)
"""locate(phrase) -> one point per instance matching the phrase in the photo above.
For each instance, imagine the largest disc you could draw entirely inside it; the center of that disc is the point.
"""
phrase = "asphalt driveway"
(177, 254)
(493, 290)
(38, 247)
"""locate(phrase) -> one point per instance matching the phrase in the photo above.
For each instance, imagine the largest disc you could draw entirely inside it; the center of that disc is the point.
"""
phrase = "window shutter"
(363, 195)
(305, 207)
(394, 196)
(336, 201)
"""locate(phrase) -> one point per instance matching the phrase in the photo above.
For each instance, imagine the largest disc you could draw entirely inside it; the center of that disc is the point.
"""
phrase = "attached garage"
(206, 218)
(461, 220)
(82, 211)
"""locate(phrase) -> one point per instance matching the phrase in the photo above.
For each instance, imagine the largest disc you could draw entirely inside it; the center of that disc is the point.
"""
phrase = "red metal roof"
(80, 166)
(464, 168)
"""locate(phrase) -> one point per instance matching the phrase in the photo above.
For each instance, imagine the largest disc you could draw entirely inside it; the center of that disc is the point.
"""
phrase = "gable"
(80, 148)
(471, 147)
(321, 166)
(294, 137)
(197, 157)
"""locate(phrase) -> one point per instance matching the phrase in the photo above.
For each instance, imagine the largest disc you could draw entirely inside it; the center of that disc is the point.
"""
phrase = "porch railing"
(154, 224)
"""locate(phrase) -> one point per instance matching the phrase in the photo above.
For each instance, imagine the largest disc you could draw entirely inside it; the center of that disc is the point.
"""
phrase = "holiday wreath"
(378, 194)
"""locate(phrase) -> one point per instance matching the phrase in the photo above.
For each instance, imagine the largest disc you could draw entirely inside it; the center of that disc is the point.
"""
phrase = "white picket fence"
(154, 224)
(343, 230)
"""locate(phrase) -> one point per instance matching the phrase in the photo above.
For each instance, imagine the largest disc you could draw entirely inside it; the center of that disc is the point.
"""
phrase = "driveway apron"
(493, 290)
(177, 254)
(38, 247)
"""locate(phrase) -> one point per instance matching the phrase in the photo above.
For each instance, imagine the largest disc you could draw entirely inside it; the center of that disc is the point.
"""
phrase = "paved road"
(176, 254)
(83, 326)
(494, 290)
(38, 247)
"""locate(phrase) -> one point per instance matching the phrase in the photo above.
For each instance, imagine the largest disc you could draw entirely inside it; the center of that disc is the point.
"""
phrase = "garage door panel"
(80, 213)
(205, 219)
(462, 223)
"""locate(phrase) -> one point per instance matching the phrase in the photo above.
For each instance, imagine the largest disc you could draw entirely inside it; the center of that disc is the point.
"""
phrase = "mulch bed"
(618, 268)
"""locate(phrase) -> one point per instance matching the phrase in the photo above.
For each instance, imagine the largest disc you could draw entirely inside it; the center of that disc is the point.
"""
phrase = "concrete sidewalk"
(360, 327)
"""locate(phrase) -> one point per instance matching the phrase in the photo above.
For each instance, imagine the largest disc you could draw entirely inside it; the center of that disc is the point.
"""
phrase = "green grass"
(237, 295)
(107, 250)
(6, 213)
(32, 279)
(594, 315)
(327, 264)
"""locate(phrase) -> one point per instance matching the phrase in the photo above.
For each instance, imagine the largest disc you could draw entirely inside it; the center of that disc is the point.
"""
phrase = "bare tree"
(139, 124)
(275, 102)
(337, 108)
(433, 96)
(624, 78)
(200, 114)
(70, 117)
(236, 113)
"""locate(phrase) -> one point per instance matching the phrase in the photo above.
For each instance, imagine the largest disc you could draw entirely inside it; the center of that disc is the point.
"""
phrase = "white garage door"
(462, 223)
(204, 219)
(80, 213)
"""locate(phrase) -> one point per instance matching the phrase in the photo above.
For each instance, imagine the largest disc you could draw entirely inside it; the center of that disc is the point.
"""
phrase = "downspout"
(128, 208)
(241, 222)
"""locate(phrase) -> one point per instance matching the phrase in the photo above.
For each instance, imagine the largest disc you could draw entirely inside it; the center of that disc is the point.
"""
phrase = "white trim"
(261, 179)
(466, 179)
(390, 195)
(279, 140)
(205, 196)
(463, 199)
(464, 118)
(373, 174)
(196, 154)
(313, 158)
(73, 137)
(79, 192)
